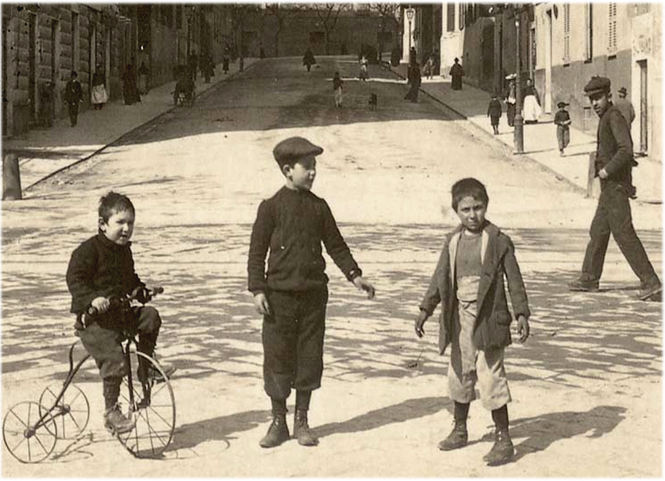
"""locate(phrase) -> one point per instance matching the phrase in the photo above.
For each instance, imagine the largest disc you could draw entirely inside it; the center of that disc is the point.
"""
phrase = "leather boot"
(278, 432)
(457, 438)
(502, 451)
(301, 429)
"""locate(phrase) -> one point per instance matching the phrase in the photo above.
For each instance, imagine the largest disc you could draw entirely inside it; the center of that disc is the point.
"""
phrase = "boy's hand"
(261, 304)
(363, 285)
(420, 322)
(523, 328)
(101, 304)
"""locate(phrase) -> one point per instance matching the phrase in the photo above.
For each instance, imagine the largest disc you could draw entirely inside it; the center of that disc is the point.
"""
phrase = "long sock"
(500, 417)
(461, 411)
(278, 407)
(302, 400)
(111, 391)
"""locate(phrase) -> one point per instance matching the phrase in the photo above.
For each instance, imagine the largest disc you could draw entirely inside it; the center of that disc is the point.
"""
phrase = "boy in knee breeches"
(469, 284)
(100, 268)
(292, 294)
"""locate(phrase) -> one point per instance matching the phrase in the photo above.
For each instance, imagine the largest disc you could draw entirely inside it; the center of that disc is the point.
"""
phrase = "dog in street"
(373, 101)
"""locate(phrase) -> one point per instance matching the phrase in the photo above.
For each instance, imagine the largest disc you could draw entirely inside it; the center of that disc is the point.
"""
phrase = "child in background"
(337, 87)
(494, 111)
(562, 121)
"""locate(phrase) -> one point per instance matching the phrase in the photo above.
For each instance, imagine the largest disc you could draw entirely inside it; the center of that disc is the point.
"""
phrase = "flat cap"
(597, 85)
(293, 148)
(562, 104)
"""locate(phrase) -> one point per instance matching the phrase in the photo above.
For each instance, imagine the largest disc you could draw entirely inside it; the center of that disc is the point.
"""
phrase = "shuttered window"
(566, 33)
(588, 19)
(612, 30)
(451, 17)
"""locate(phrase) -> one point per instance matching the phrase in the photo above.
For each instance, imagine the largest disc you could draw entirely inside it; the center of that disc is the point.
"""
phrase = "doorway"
(644, 107)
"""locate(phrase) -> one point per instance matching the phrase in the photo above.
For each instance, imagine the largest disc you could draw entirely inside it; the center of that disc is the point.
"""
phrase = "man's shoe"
(652, 293)
(157, 376)
(301, 430)
(278, 432)
(579, 285)
(116, 422)
(456, 439)
(502, 451)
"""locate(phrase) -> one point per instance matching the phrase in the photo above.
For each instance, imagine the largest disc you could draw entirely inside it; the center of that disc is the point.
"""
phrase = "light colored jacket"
(492, 329)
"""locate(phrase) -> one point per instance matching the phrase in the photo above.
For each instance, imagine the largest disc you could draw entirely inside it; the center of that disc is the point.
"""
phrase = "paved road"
(586, 387)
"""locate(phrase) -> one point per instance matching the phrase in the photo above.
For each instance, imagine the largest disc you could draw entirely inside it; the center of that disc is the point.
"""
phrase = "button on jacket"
(292, 224)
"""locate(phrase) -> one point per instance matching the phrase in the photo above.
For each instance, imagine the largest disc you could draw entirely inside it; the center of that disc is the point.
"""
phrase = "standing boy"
(292, 295)
(614, 164)
(562, 121)
(494, 111)
(469, 284)
(337, 87)
(73, 96)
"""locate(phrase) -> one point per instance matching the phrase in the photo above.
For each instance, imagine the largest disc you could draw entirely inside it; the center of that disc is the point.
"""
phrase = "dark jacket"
(614, 150)
(100, 268)
(492, 329)
(292, 224)
(494, 109)
(73, 92)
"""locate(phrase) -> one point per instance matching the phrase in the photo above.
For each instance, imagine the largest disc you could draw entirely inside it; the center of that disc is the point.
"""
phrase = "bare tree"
(281, 11)
(390, 16)
(239, 15)
(328, 13)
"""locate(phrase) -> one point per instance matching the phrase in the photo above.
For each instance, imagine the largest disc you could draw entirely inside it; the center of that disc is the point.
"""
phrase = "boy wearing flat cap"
(614, 163)
(292, 294)
(562, 121)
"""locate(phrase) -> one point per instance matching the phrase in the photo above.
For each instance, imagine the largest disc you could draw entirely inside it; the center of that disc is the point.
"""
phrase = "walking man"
(625, 107)
(614, 163)
(73, 96)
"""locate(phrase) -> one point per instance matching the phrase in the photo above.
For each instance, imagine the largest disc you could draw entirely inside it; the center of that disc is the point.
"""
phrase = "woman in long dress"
(531, 110)
(98, 94)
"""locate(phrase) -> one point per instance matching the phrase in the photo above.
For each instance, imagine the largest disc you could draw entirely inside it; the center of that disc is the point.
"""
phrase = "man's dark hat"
(562, 104)
(623, 91)
(294, 148)
(597, 85)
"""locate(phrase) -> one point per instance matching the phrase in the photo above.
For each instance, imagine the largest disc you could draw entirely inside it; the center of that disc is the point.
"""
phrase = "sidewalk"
(540, 142)
(42, 152)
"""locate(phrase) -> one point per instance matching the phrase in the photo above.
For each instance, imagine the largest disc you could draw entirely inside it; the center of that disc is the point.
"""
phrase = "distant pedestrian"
(413, 56)
(414, 81)
(510, 98)
(337, 87)
(531, 109)
(614, 164)
(364, 73)
(476, 261)
(46, 104)
(308, 60)
(130, 91)
(494, 112)
(562, 121)
(456, 74)
(429, 67)
(98, 95)
(208, 68)
(144, 79)
(292, 295)
(72, 97)
(193, 63)
(625, 107)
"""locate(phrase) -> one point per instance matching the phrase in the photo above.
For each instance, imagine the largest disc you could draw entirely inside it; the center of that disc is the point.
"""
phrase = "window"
(451, 17)
(75, 41)
(462, 15)
(566, 33)
(612, 30)
(588, 19)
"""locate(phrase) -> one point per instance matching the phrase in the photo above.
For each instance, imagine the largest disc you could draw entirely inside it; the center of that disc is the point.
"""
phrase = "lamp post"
(519, 120)
(410, 12)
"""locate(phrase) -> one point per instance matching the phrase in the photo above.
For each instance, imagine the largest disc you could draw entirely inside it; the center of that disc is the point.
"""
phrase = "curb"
(471, 125)
(132, 131)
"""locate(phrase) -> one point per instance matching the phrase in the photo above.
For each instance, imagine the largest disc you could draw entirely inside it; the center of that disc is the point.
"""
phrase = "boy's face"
(119, 228)
(471, 213)
(599, 102)
(301, 176)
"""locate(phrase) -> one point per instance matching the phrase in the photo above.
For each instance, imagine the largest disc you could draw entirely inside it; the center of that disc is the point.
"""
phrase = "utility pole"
(519, 120)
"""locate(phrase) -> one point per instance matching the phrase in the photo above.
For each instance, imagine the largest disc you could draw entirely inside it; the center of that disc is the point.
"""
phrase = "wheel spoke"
(23, 439)
(19, 419)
